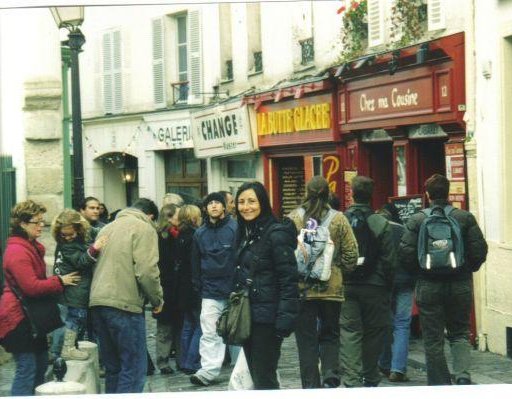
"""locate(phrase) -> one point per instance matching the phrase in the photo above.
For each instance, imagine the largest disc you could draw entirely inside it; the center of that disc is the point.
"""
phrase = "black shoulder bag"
(42, 312)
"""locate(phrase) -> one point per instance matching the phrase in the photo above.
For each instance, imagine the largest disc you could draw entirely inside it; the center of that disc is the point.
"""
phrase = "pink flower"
(341, 9)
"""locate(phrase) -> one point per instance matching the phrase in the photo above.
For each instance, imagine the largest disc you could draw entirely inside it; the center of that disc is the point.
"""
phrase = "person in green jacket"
(72, 254)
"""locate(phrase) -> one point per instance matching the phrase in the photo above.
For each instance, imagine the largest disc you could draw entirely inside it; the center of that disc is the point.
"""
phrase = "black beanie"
(215, 197)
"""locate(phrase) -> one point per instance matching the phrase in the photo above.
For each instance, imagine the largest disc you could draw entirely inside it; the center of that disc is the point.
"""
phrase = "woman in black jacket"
(266, 264)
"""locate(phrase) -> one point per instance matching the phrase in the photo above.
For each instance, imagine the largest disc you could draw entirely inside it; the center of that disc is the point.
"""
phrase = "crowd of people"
(184, 260)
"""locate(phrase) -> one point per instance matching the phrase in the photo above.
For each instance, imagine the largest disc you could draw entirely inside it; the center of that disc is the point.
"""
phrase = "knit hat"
(215, 196)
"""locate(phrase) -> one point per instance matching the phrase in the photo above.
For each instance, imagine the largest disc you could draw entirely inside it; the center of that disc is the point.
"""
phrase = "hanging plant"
(354, 31)
(407, 21)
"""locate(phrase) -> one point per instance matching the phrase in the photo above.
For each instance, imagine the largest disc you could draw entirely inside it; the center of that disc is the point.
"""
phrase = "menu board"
(408, 205)
(292, 187)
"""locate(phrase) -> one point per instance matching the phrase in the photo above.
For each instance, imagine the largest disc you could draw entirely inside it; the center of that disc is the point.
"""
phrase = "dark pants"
(30, 370)
(318, 338)
(365, 318)
(262, 352)
(122, 337)
(445, 305)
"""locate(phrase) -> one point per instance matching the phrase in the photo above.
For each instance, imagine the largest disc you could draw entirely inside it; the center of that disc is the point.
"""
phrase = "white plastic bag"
(240, 379)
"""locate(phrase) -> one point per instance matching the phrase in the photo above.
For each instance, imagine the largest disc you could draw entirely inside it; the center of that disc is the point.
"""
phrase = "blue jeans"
(122, 339)
(190, 336)
(30, 369)
(396, 348)
(76, 320)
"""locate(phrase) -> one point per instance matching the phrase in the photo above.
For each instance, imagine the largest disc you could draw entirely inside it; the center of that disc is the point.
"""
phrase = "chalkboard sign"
(407, 205)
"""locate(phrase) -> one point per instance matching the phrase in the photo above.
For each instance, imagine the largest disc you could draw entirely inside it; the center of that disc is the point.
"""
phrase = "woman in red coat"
(24, 268)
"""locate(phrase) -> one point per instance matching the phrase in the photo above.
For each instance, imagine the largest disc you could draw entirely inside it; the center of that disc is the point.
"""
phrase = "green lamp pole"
(71, 18)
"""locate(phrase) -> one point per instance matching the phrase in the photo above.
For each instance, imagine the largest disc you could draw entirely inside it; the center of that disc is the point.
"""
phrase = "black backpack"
(440, 244)
(367, 243)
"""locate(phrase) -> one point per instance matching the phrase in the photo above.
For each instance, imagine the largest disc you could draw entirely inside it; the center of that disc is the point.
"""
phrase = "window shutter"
(117, 70)
(158, 63)
(194, 56)
(375, 23)
(107, 73)
(436, 16)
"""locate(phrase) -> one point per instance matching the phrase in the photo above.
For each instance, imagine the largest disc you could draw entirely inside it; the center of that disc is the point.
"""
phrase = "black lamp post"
(71, 18)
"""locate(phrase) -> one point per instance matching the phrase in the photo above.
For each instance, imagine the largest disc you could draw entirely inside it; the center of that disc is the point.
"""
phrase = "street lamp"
(71, 18)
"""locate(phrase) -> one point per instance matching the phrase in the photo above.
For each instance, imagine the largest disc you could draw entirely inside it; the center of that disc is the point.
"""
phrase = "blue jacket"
(213, 258)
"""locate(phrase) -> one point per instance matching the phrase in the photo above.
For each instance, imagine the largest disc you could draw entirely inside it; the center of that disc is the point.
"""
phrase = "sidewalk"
(487, 368)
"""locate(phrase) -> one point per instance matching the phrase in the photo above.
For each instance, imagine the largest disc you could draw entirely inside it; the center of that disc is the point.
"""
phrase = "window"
(241, 169)
(226, 49)
(158, 63)
(112, 72)
(185, 174)
(182, 57)
(255, 59)
(317, 166)
(302, 31)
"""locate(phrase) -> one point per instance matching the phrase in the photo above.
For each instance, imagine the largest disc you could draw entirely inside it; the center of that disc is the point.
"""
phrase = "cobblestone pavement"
(487, 368)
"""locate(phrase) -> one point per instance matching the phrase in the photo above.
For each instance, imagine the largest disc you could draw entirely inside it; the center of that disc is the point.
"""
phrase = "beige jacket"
(126, 273)
(345, 258)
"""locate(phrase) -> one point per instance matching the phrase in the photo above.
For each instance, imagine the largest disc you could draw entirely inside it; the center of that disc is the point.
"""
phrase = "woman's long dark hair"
(316, 203)
(261, 194)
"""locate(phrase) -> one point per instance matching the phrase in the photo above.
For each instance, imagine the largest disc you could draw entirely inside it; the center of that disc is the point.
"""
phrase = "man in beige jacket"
(125, 276)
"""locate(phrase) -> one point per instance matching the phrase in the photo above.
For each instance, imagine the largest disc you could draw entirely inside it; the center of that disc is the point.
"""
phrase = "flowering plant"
(355, 27)
(407, 21)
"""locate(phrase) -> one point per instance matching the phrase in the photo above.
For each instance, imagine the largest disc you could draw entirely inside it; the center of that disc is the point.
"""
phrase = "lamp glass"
(68, 16)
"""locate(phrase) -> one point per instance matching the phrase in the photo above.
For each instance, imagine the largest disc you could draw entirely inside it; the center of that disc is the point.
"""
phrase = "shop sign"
(295, 116)
(221, 131)
(391, 100)
(169, 134)
(407, 205)
(331, 168)
(456, 173)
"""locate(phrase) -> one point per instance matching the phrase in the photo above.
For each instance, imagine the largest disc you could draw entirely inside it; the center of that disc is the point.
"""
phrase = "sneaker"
(395, 376)
(197, 379)
(463, 381)
(384, 371)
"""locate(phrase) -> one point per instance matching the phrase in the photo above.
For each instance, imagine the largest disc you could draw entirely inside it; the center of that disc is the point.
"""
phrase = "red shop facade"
(400, 119)
(297, 137)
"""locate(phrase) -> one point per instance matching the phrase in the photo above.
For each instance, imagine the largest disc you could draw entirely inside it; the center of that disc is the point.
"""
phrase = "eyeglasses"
(38, 222)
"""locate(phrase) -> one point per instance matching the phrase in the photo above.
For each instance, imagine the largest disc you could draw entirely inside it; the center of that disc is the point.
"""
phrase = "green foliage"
(355, 29)
(406, 21)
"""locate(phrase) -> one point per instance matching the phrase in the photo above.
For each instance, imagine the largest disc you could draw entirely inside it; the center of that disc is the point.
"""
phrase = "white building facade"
(493, 133)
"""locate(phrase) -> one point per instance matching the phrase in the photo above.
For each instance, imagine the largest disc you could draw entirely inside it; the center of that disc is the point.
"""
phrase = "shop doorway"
(380, 158)
(291, 180)
(431, 159)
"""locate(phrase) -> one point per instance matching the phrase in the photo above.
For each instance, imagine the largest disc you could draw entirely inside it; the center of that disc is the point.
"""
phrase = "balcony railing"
(258, 61)
(307, 47)
(180, 92)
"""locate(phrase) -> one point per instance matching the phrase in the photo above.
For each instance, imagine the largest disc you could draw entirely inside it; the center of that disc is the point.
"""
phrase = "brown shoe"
(395, 376)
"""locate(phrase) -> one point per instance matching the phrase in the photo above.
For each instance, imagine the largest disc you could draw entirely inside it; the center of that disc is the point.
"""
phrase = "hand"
(158, 309)
(70, 278)
(100, 242)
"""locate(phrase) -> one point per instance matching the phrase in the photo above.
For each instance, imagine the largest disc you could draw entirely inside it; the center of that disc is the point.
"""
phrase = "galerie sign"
(169, 134)
(222, 130)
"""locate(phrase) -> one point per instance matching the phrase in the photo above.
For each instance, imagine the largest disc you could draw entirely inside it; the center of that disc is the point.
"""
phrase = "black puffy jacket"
(268, 247)
(475, 246)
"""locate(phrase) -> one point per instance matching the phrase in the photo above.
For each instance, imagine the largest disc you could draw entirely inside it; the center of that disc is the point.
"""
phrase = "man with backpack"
(365, 314)
(317, 331)
(444, 245)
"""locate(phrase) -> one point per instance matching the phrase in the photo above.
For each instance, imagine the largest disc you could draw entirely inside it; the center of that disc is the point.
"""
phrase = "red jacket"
(23, 264)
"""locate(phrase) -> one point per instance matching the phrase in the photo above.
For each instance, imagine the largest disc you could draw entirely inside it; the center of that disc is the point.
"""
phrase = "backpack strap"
(330, 216)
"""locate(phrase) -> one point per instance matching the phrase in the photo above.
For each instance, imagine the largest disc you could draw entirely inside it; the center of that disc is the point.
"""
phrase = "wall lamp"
(422, 54)
(393, 63)
(342, 69)
(364, 61)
